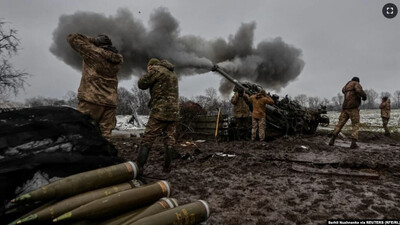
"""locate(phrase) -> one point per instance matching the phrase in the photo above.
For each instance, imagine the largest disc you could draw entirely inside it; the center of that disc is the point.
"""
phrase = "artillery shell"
(73, 202)
(160, 206)
(43, 206)
(119, 202)
(189, 214)
(82, 182)
(126, 218)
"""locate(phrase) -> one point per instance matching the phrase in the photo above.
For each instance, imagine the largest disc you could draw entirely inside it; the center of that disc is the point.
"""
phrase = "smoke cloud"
(272, 63)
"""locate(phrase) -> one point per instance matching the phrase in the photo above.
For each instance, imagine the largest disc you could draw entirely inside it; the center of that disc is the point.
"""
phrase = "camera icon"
(389, 10)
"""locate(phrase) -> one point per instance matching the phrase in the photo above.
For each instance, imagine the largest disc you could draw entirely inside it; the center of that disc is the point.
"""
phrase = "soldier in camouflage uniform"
(97, 91)
(353, 93)
(258, 116)
(241, 112)
(164, 106)
(385, 114)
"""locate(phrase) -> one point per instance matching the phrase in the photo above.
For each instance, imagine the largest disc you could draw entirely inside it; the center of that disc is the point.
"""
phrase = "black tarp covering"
(59, 141)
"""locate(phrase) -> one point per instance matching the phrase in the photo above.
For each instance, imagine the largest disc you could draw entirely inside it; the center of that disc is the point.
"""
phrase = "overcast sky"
(339, 39)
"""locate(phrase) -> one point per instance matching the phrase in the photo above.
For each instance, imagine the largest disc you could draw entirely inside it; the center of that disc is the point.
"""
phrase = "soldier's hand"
(364, 98)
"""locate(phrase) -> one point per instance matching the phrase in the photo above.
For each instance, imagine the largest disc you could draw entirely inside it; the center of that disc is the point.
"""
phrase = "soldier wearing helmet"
(162, 82)
(97, 92)
(353, 93)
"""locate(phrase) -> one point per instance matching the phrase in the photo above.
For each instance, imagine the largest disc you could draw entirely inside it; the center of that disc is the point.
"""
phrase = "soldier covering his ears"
(97, 91)
(162, 82)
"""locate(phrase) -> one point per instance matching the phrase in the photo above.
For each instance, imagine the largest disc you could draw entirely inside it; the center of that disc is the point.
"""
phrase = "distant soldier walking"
(258, 116)
(241, 112)
(97, 91)
(385, 114)
(353, 93)
(164, 105)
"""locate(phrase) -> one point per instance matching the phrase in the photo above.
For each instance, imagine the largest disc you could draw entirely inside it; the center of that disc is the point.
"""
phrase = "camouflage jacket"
(353, 92)
(259, 102)
(385, 109)
(163, 85)
(241, 107)
(99, 82)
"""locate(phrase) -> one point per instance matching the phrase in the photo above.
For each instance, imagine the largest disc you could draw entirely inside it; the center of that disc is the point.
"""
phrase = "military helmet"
(102, 40)
(355, 79)
(153, 61)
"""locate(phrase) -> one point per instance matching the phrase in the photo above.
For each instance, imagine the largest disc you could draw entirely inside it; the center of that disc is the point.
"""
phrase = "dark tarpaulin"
(59, 141)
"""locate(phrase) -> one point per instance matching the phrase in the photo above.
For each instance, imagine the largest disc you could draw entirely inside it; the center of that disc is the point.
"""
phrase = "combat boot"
(169, 150)
(332, 141)
(142, 158)
(353, 144)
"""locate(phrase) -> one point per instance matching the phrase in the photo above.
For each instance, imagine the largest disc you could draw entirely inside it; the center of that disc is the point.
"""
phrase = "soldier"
(164, 105)
(97, 91)
(385, 114)
(258, 116)
(241, 111)
(353, 93)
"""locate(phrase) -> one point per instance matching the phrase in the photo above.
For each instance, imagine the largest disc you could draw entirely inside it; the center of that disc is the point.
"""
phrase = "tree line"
(335, 103)
(137, 100)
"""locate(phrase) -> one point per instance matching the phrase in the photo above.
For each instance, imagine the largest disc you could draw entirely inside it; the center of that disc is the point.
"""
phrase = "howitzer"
(248, 87)
(285, 117)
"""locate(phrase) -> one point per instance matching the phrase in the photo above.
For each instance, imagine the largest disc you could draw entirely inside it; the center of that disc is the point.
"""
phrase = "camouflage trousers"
(260, 125)
(158, 128)
(354, 116)
(103, 115)
(385, 122)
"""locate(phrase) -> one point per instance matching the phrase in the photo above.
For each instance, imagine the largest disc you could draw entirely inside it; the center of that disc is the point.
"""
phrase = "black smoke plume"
(272, 63)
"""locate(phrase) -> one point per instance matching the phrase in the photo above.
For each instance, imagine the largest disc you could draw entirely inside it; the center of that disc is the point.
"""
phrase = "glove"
(364, 98)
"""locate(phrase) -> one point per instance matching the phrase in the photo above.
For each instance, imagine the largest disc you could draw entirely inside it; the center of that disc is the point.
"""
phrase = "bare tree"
(396, 96)
(212, 99)
(385, 94)
(226, 107)
(336, 103)
(314, 102)
(141, 100)
(125, 101)
(340, 98)
(372, 95)
(44, 101)
(301, 99)
(11, 79)
(325, 102)
(71, 99)
(201, 100)
(211, 93)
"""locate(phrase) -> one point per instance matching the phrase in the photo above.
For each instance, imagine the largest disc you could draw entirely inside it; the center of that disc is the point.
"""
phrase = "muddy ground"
(293, 180)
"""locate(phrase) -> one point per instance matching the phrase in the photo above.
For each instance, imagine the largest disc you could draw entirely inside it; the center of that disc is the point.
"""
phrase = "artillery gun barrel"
(216, 68)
